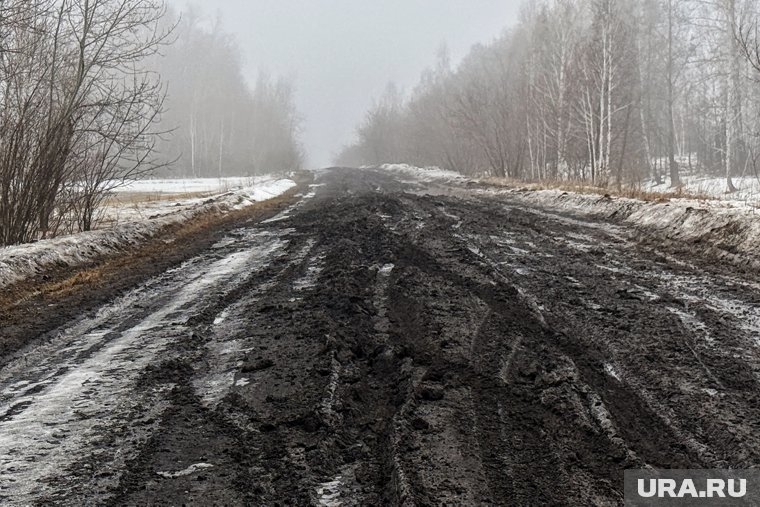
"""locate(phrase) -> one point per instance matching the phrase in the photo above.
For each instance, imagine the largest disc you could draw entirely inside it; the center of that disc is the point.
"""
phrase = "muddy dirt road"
(391, 342)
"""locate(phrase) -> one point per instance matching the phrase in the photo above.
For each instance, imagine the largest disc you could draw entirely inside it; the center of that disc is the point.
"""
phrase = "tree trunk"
(675, 179)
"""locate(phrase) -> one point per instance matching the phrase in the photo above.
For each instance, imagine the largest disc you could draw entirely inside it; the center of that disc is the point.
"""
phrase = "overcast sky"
(340, 54)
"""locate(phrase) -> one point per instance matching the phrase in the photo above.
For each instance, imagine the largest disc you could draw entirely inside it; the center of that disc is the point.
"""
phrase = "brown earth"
(383, 343)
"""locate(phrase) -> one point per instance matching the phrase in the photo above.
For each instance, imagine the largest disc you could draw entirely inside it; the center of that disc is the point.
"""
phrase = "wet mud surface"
(383, 342)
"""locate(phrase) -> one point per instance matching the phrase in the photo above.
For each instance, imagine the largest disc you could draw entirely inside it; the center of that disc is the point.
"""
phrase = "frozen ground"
(727, 227)
(728, 230)
(130, 224)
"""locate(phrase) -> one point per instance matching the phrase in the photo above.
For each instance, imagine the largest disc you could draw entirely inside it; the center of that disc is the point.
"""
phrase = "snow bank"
(427, 174)
(21, 262)
(728, 231)
(263, 191)
(726, 227)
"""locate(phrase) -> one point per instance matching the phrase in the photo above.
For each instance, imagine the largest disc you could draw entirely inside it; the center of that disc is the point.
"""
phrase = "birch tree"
(609, 92)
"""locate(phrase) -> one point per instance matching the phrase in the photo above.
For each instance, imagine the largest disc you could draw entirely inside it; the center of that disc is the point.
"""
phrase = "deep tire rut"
(397, 343)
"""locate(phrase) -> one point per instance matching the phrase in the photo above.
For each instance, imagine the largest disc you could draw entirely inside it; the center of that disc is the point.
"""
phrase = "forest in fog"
(220, 125)
(612, 93)
(609, 92)
(95, 92)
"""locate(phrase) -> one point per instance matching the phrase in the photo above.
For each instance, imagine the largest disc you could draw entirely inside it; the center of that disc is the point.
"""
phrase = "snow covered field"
(188, 185)
(143, 199)
(748, 188)
(130, 224)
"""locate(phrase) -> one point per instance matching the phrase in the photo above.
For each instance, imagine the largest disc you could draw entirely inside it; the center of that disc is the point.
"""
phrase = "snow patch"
(21, 262)
(187, 471)
(263, 191)
(222, 316)
(427, 174)
(611, 371)
(328, 493)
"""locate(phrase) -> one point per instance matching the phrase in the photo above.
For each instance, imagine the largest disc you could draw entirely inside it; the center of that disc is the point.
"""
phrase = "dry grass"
(131, 198)
(631, 192)
(177, 234)
(172, 237)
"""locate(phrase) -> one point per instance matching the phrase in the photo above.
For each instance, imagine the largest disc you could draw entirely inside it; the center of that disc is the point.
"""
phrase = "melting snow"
(59, 397)
(428, 174)
(693, 324)
(328, 493)
(313, 269)
(610, 370)
(187, 471)
(23, 261)
(222, 316)
(262, 192)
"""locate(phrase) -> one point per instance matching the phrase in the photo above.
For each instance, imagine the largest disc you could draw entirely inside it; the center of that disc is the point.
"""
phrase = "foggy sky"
(342, 53)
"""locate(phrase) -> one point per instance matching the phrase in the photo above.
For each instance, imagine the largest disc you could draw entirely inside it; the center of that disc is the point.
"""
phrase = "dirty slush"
(381, 341)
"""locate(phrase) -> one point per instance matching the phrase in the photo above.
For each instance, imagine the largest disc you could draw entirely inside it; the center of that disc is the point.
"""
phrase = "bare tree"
(78, 106)
(604, 91)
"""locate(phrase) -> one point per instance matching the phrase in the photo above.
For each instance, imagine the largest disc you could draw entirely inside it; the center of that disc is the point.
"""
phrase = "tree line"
(96, 92)
(221, 125)
(609, 92)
